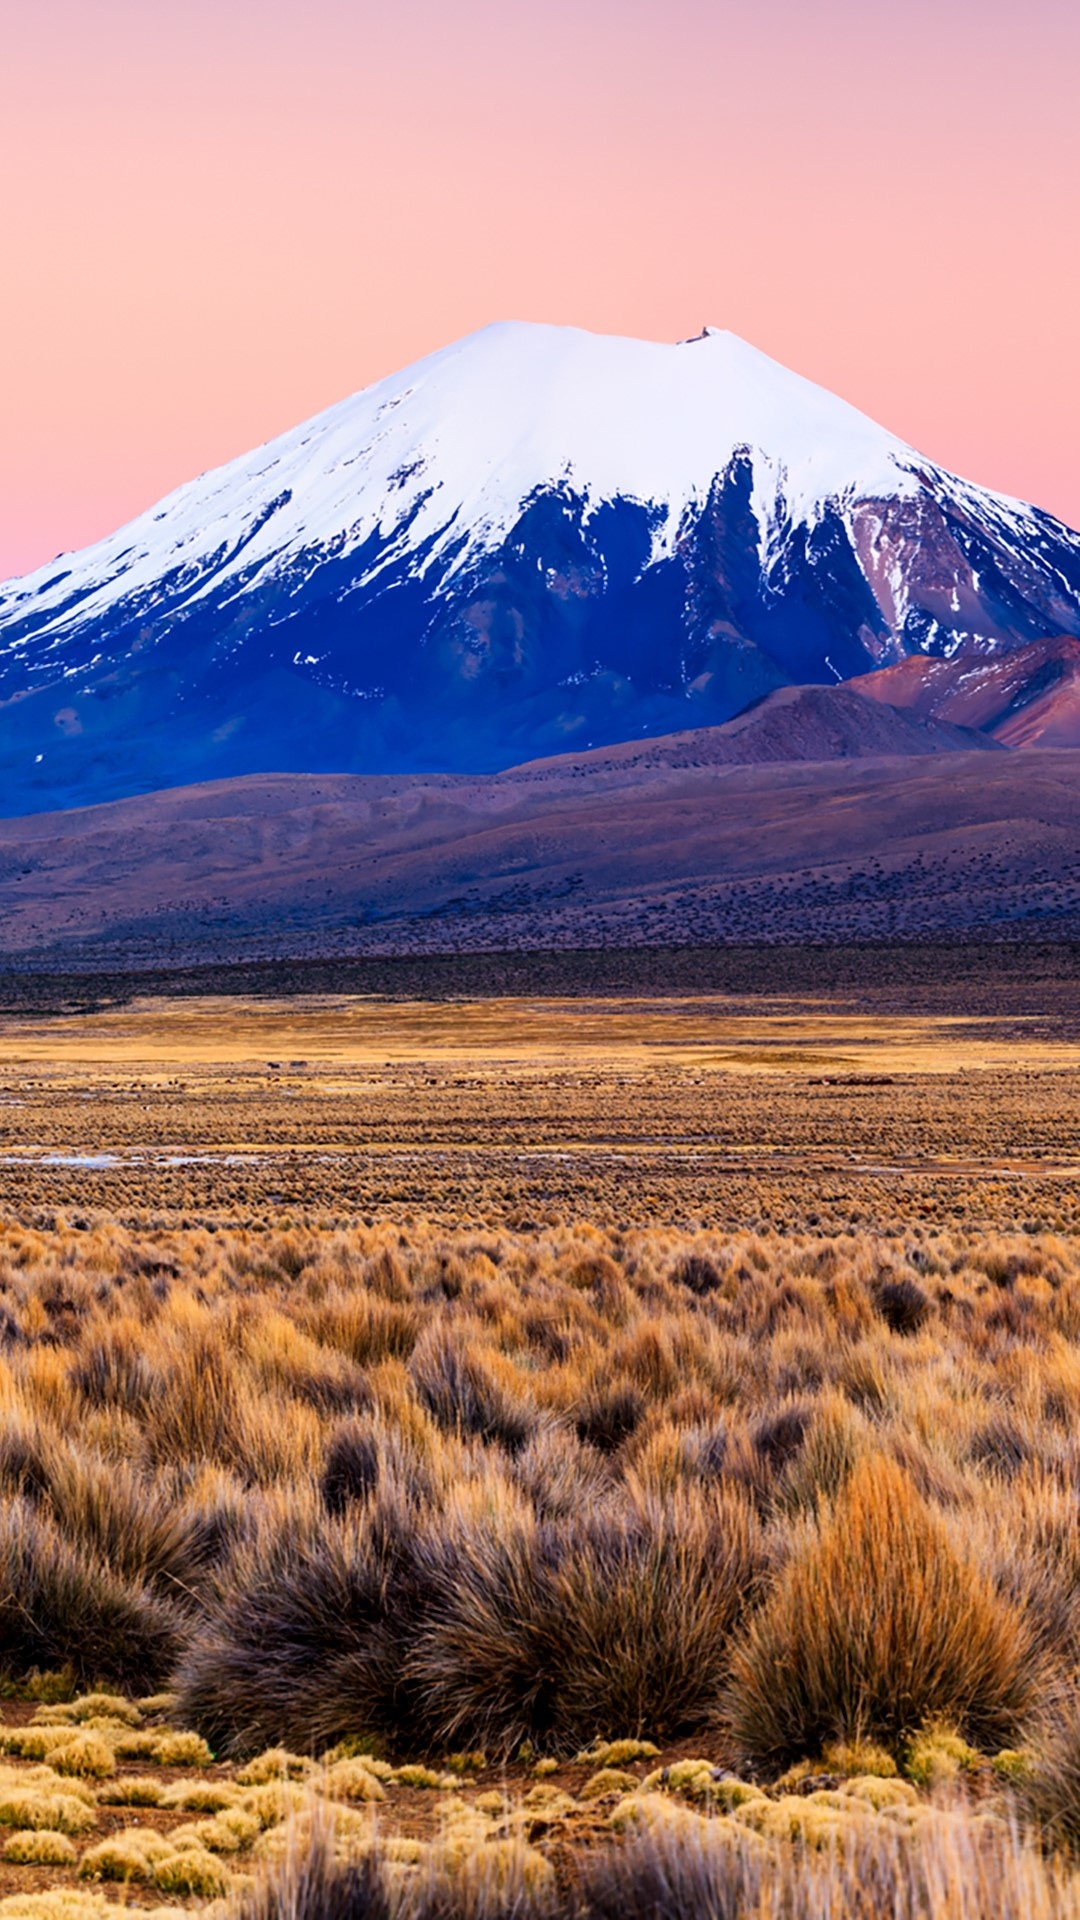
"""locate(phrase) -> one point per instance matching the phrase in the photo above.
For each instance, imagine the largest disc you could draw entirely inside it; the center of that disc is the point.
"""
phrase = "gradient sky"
(222, 216)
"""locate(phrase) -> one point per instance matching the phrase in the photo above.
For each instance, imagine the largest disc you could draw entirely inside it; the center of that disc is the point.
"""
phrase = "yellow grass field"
(548, 1455)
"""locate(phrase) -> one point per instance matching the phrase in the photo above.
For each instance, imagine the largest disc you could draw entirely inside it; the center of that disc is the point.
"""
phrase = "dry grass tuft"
(876, 1626)
(40, 1847)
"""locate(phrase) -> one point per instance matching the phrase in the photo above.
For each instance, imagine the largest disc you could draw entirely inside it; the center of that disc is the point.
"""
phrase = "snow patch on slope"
(443, 456)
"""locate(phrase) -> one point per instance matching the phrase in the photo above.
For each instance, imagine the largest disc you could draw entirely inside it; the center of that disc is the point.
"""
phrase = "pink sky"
(221, 217)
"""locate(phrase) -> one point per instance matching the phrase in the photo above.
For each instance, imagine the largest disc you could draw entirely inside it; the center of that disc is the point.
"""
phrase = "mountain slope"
(287, 865)
(791, 724)
(1024, 699)
(535, 539)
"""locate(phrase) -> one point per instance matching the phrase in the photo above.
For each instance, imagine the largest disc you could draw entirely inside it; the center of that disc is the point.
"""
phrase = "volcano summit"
(535, 541)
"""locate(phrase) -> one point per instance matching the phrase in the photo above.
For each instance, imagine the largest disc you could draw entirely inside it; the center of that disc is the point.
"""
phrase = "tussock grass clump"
(902, 1304)
(553, 1632)
(43, 1847)
(485, 1663)
(651, 1599)
(351, 1469)
(304, 1648)
(311, 1883)
(462, 1391)
(62, 1607)
(277, 1763)
(180, 1748)
(1051, 1786)
(195, 1796)
(129, 1855)
(876, 1626)
(192, 1871)
(131, 1790)
(607, 1416)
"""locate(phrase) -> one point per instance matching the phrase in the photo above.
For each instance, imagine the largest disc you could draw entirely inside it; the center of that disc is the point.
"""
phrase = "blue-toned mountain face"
(538, 540)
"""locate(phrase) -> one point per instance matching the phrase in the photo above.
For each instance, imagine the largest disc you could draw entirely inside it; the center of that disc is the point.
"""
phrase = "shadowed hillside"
(587, 853)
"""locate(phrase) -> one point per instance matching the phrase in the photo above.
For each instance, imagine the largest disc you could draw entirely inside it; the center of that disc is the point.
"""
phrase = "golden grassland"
(539, 1459)
(719, 1110)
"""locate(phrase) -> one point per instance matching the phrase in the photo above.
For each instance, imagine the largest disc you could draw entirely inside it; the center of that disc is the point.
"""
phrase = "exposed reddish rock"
(1026, 698)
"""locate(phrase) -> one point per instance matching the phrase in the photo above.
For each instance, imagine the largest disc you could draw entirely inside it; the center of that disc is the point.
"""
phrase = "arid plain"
(575, 1436)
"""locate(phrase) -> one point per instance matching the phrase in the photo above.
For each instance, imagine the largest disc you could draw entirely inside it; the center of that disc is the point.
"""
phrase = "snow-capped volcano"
(536, 538)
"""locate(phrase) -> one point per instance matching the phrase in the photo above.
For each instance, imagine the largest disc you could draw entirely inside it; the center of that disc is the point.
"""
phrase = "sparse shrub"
(40, 1847)
(351, 1469)
(902, 1304)
(307, 1644)
(62, 1607)
(606, 1416)
(651, 1598)
(876, 1626)
(698, 1275)
(1051, 1785)
(463, 1394)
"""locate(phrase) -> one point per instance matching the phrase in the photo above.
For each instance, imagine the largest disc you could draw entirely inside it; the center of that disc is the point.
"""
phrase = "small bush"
(43, 1847)
(312, 1884)
(307, 1644)
(351, 1469)
(607, 1416)
(877, 1626)
(1051, 1786)
(62, 1607)
(903, 1305)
